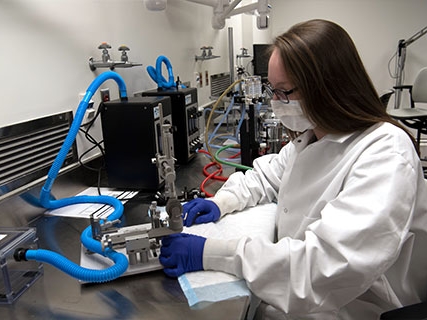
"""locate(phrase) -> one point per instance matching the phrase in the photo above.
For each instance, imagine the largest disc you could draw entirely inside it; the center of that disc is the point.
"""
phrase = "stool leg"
(419, 139)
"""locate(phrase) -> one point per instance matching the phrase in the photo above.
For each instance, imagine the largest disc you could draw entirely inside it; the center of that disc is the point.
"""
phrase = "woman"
(351, 218)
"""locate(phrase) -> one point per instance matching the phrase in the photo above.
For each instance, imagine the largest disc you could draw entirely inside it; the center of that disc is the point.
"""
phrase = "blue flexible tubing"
(156, 73)
(58, 261)
(84, 274)
(224, 117)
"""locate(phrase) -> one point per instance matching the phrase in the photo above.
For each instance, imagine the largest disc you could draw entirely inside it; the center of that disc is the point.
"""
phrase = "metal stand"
(401, 56)
(248, 142)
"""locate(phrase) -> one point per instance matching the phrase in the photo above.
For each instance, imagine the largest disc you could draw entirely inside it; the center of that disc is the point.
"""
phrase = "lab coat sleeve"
(357, 237)
(256, 186)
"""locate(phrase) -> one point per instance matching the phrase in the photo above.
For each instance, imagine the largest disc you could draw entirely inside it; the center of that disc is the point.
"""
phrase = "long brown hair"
(336, 92)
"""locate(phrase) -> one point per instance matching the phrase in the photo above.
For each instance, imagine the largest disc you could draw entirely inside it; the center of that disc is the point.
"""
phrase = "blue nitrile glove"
(181, 253)
(200, 211)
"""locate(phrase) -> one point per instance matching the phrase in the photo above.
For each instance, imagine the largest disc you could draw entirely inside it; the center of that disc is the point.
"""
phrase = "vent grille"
(219, 83)
(28, 149)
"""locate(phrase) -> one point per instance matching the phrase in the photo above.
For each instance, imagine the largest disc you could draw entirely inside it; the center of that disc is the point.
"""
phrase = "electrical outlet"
(196, 78)
(105, 95)
(89, 115)
(90, 111)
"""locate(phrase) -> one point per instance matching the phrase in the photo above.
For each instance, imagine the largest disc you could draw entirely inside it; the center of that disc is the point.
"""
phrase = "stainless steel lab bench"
(58, 296)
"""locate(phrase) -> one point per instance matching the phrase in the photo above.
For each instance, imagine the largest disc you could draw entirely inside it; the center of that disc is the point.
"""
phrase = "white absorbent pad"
(211, 286)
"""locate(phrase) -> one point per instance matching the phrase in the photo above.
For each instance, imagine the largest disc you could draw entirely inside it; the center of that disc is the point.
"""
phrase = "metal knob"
(124, 56)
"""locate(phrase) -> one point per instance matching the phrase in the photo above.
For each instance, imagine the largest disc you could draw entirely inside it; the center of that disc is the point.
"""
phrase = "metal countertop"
(144, 296)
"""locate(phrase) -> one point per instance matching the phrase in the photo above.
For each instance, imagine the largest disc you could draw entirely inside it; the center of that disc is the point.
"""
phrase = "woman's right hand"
(199, 211)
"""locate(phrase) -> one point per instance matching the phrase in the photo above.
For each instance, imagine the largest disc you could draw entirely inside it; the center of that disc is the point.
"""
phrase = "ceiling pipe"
(224, 10)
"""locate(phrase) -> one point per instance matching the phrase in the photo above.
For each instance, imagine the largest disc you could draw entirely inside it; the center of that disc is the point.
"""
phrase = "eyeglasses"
(281, 94)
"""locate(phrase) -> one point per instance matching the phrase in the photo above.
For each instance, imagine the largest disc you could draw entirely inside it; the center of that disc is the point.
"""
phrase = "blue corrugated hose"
(55, 259)
(156, 73)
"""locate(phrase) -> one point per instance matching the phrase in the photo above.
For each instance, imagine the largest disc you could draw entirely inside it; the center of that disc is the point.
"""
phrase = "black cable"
(96, 144)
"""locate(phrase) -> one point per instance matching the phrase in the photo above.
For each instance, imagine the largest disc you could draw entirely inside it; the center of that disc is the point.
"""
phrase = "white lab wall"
(46, 44)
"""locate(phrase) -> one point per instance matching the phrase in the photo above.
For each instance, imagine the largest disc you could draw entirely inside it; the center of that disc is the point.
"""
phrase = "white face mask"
(291, 115)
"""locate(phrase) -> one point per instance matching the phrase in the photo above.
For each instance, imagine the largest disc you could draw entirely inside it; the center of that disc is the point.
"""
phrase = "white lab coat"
(351, 226)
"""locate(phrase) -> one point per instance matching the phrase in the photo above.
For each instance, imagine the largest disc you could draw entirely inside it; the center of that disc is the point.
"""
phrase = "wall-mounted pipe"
(106, 61)
(231, 53)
